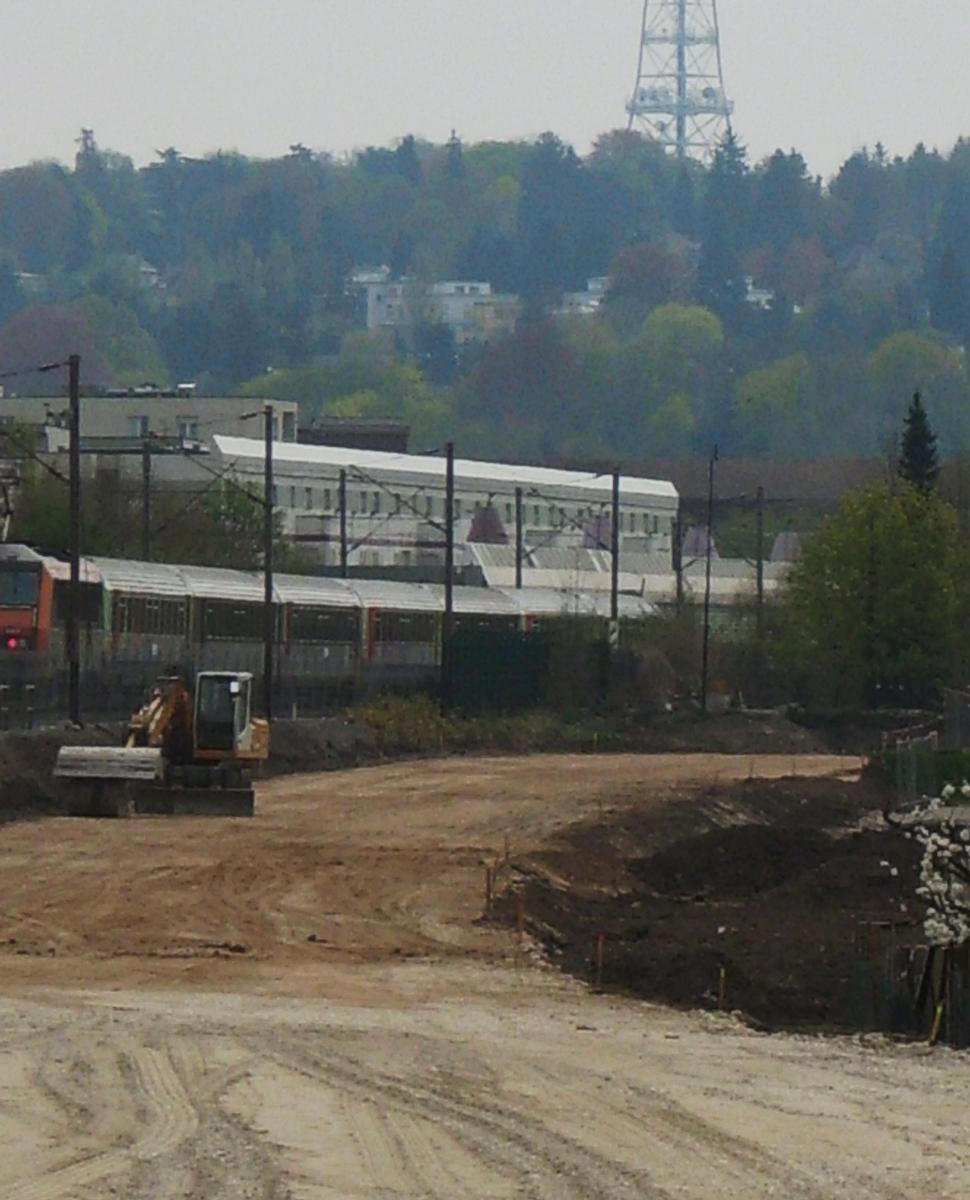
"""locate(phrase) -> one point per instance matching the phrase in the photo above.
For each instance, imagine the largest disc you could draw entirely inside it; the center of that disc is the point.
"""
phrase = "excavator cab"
(223, 720)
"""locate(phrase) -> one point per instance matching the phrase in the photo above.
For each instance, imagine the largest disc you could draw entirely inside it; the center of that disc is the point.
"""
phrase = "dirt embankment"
(28, 789)
(791, 886)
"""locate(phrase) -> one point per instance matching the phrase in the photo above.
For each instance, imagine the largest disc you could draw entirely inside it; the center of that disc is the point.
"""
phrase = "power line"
(52, 366)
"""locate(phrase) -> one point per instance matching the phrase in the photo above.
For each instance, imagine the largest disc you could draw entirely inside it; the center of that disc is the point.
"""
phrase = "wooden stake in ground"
(600, 954)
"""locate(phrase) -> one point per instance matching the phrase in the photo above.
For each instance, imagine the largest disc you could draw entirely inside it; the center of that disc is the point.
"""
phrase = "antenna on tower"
(679, 99)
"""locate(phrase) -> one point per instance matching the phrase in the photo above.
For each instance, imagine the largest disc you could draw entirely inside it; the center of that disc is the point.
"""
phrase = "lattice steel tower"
(679, 99)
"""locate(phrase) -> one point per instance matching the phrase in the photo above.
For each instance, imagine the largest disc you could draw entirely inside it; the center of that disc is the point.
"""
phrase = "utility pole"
(760, 560)
(448, 623)
(146, 500)
(343, 524)
(268, 523)
(74, 590)
(615, 563)
(518, 538)
(677, 554)
(705, 651)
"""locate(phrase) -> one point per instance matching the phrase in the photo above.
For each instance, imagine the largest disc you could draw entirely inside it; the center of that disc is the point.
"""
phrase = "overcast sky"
(824, 76)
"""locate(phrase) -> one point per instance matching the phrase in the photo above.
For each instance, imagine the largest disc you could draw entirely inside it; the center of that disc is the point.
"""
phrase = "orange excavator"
(182, 754)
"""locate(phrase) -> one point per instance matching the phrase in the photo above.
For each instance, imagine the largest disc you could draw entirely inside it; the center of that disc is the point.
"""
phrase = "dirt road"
(306, 1005)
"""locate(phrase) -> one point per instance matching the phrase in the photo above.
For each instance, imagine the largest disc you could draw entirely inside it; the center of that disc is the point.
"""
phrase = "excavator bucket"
(102, 778)
(139, 763)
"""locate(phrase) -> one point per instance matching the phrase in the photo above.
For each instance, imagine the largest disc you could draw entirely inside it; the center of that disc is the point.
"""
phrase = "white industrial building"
(396, 508)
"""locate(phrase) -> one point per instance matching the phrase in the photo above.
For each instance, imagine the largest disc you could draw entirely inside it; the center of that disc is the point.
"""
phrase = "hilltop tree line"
(234, 272)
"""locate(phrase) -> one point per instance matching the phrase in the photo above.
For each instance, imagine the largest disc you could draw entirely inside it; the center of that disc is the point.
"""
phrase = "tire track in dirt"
(502, 1138)
(173, 1120)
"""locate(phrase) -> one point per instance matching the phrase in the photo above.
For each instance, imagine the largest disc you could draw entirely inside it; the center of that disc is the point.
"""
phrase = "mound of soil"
(790, 888)
(735, 863)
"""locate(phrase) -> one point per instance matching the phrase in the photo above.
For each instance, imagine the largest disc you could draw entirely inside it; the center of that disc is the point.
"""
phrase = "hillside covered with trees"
(221, 268)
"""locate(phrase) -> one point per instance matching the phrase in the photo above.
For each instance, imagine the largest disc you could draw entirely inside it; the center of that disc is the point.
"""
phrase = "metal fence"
(910, 988)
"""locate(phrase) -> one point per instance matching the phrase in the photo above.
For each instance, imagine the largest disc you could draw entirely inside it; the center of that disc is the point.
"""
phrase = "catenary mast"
(679, 98)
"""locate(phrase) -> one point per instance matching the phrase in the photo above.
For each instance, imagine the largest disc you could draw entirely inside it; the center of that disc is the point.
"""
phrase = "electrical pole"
(343, 524)
(448, 623)
(760, 561)
(677, 554)
(268, 523)
(518, 538)
(615, 562)
(74, 590)
(705, 651)
(146, 500)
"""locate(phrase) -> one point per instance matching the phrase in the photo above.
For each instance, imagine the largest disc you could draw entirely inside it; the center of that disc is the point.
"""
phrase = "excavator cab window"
(217, 712)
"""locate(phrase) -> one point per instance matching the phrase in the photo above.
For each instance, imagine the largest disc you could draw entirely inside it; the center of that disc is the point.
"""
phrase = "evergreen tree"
(723, 231)
(919, 462)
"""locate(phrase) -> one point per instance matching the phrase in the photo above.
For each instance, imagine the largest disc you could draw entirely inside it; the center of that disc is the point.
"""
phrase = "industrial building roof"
(431, 469)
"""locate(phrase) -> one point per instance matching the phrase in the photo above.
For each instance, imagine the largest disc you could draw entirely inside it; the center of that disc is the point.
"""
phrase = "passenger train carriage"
(346, 636)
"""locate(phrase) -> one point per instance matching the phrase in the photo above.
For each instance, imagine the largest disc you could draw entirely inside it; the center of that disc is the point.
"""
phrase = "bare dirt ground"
(308, 1005)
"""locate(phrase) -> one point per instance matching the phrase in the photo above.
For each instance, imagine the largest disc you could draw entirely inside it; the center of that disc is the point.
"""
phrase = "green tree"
(873, 606)
(919, 462)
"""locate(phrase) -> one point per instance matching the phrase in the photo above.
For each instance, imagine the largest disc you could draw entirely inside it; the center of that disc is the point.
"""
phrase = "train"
(342, 637)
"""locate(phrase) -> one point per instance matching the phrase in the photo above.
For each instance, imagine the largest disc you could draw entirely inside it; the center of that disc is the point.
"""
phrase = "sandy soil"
(307, 1005)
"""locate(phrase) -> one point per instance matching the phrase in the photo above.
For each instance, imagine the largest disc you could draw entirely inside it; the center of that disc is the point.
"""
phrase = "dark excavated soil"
(787, 886)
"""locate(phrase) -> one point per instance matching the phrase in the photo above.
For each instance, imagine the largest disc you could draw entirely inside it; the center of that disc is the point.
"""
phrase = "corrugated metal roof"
(122, 574)
(491, 602)
(469, 473)
(219, 583)
(404, 597)
(311, 590)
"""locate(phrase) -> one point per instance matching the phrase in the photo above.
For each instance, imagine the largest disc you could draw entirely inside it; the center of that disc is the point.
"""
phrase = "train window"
(148, 614)
(405, 627)
(19, 587)
(232, 620)
(325, 625)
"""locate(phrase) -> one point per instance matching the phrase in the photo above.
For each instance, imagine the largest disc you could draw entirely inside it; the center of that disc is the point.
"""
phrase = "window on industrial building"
(292, 496)
(457, 509)
(138, 426)
(276, 496)
(429, 506)
(537, 514)
(397, 503)
(188, 429)
(377, 502)
(308, 498)
(289, 427)
(327, 500)
(509, 514)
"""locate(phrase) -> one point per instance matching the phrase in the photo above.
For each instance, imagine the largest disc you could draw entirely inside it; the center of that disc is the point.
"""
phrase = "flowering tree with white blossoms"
(945, 869)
